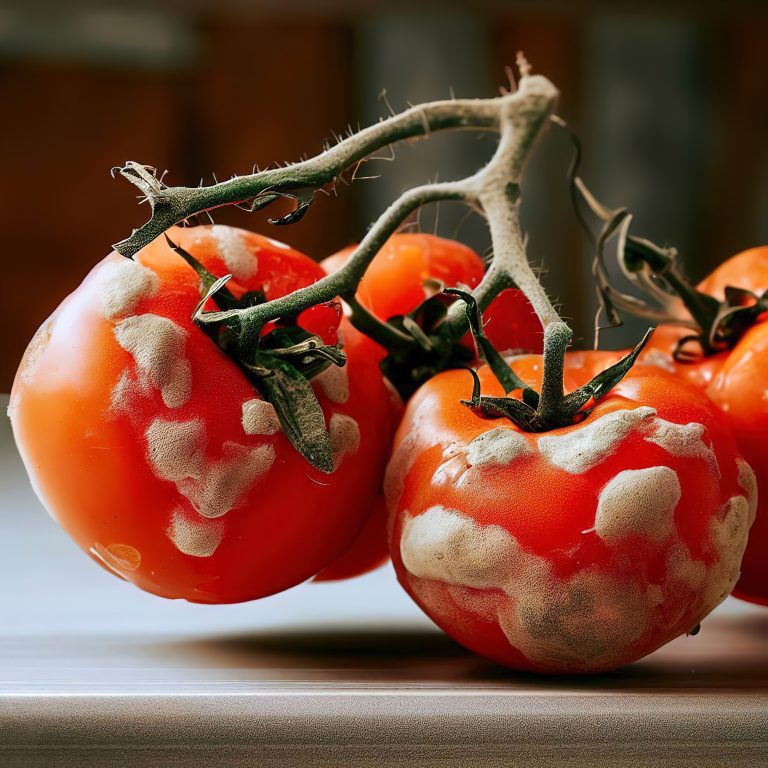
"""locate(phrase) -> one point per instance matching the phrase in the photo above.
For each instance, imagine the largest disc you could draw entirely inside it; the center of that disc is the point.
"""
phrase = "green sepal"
(499, 407)
(279, 365)
(222, 295)
(598, 387)
(296, 405)
(508, 379)
(525, 412)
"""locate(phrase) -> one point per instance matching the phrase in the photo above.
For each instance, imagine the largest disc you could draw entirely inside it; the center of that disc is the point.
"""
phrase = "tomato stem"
(519, 117)
(557, 336)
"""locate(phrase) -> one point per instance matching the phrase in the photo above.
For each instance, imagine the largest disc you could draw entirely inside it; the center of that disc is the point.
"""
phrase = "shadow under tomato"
(728, 655)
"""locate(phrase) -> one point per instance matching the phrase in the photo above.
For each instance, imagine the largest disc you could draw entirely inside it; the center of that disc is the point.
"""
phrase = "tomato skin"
(736, 381)
(511, 324)
(369, 550)
(323, 320)
(402, 274)
(748, 270)
(156, 503)
(505, 550)
(399, 277)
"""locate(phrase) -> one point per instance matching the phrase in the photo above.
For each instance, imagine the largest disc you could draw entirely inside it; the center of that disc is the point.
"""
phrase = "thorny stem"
(519, 117)
(344, 282)
(172, 205)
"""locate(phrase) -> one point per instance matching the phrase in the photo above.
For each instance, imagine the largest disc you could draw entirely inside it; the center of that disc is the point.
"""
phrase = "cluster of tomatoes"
(574, 550)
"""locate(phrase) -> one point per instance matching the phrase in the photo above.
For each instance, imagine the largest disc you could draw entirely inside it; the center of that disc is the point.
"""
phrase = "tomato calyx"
(279, 363)
(550, 408)
(430, 348)
(719, 324)
(667, 296)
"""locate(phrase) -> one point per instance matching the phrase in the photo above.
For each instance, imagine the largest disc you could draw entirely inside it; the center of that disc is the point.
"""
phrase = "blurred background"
(671, 103)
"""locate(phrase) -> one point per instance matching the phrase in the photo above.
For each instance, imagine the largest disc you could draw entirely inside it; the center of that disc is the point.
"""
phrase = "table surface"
(93, 671)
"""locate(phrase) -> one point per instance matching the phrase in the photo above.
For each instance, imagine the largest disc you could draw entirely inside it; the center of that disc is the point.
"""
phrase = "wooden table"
(95, 673)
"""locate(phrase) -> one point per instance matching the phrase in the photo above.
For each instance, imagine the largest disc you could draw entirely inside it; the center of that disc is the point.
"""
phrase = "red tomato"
(407, 269)
(736, 382)
(576, 550)
(511, 324)
(369, 550)
(154, 452)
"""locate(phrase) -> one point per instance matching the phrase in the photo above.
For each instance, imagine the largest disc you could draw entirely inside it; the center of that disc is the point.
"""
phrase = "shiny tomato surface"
(161, 460)
(411, 267)
(737, 381)
(576, 550)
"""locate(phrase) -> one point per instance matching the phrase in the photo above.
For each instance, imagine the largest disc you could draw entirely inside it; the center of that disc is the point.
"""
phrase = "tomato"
(736, 381)
(408, 269)
(572, 551)
(368, 551)
(405, 272)
(154, 452)
(411, 267)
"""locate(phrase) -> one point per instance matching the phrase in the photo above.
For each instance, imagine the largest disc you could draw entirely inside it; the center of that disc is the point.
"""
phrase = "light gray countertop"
(95, 672)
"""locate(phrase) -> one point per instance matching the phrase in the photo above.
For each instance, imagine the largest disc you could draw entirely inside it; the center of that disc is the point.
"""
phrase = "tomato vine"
(519, 117)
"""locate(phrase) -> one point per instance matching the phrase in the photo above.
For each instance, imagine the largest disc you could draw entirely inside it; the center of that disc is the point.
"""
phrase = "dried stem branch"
(519, 118)
(172, 205)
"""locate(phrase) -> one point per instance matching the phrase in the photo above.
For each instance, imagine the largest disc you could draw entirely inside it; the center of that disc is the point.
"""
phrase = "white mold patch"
(35, 350)
(586, 446)
(123, 284)
(197, 538)
(729, 538)
(445, 545)
(498, 447)
(587, 622)
(345, 437)
(682, 568)
(176, 449)
(214, 487)
(334, 383)
(260, 418)
(157, 345)
(398, 467)
(748, 483)
(225, 483)
(233, 246)
(122, 391)
(683, 441)
(638, 502)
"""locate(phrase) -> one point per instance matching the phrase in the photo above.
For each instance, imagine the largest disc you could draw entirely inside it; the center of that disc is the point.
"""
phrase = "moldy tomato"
(736, 381)
(155, 453)
(576, 550)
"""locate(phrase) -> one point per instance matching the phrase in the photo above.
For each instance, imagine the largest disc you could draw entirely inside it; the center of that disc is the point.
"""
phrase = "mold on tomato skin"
(344, 433)
(498, 447)
(122, 284)
(176, 449)
(445, 545)
(176, 452)
(584, 554)
(682, 440)
(260, 418)
(576, 451)
(197, 538)
(239, 258)
(334, 383)
(157, 344)
(638, 502)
